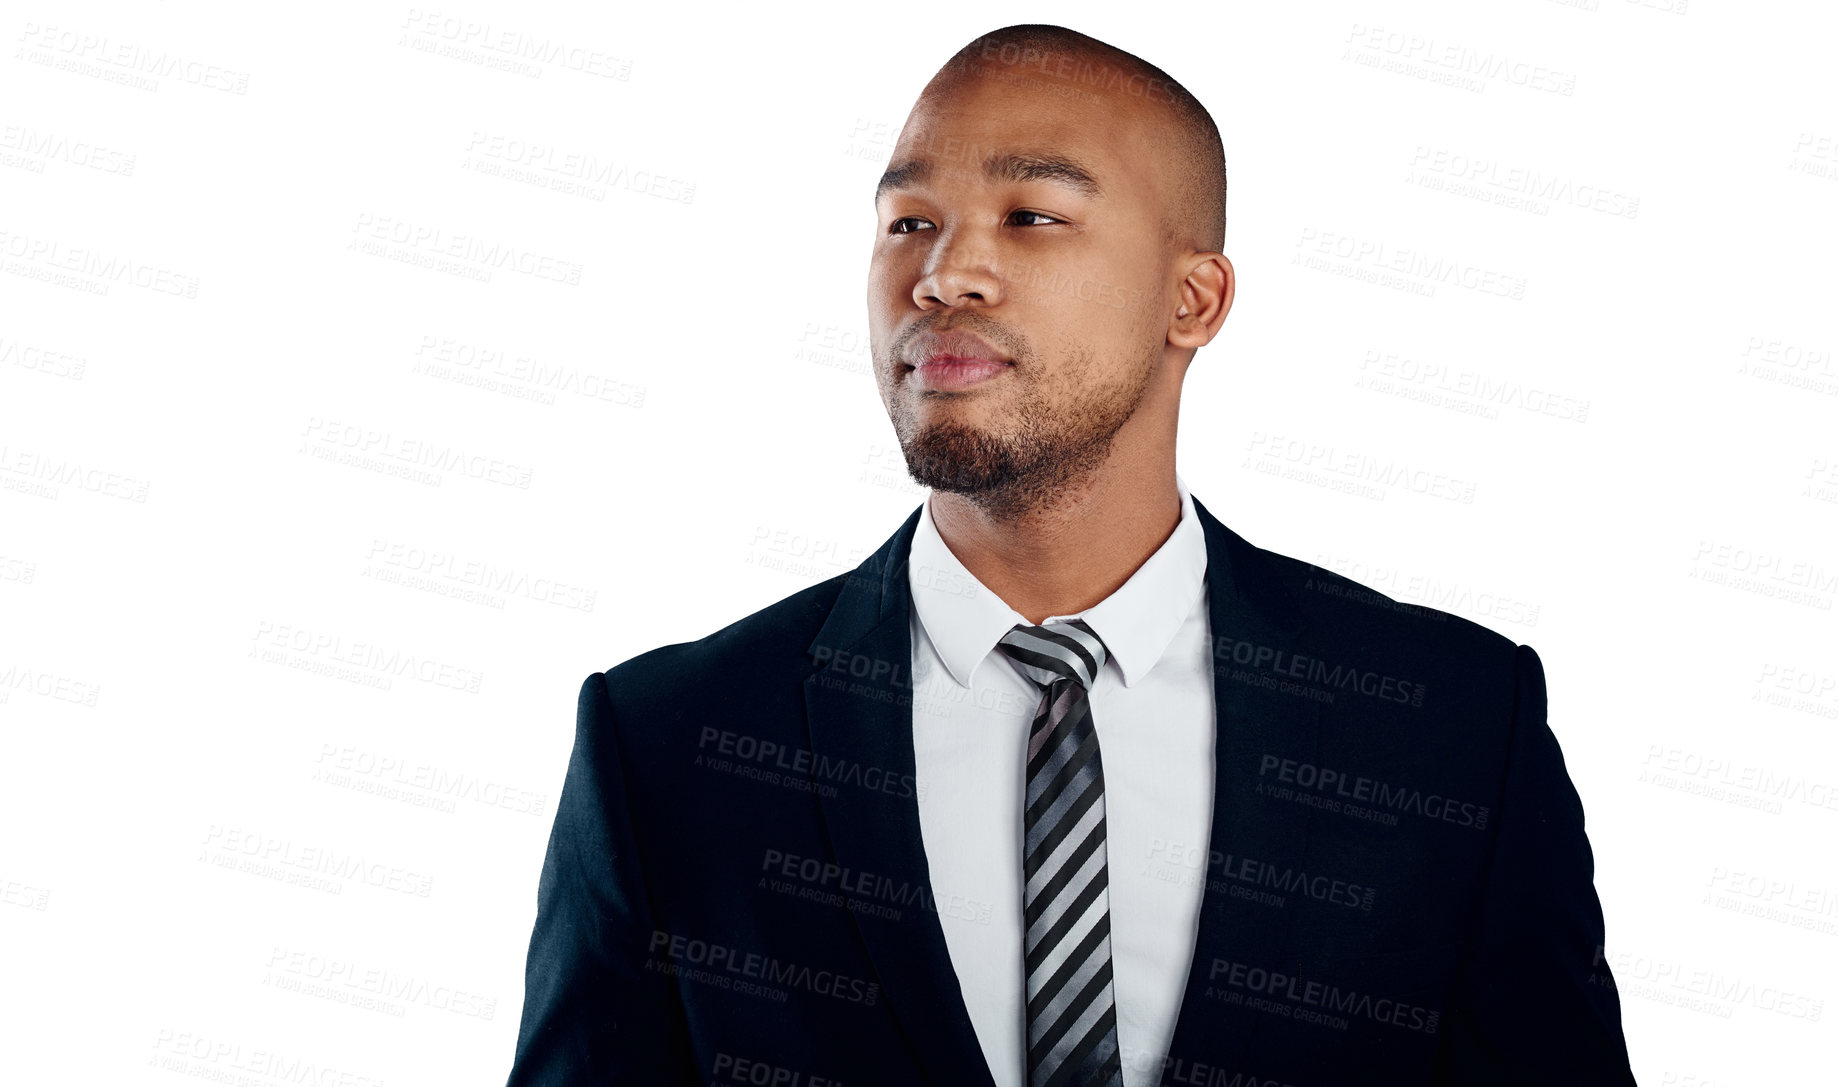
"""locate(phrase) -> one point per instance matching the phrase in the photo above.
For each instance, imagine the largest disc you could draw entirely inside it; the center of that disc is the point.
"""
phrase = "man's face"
(1061, 286)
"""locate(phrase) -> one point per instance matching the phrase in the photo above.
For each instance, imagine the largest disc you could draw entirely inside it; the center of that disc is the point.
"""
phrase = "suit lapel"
(1247, 607)
(859, 706)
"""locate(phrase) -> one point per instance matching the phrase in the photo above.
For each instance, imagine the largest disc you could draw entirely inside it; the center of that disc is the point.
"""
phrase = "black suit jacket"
(1398, 885)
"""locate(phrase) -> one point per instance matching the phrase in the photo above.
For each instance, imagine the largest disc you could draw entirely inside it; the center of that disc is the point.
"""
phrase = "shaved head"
(1046, 262)
(1067, 62)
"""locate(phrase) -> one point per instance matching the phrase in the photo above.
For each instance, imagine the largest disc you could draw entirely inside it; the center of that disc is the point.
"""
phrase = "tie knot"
(1061, 649)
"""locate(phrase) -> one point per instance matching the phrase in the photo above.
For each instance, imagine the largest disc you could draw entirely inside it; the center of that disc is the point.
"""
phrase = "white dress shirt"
(1152, 706)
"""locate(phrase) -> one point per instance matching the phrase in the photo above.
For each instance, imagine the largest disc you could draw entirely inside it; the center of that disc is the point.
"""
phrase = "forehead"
(962, 124)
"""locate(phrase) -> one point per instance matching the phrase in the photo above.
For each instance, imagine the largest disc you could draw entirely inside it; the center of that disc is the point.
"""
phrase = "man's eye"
(910, 224)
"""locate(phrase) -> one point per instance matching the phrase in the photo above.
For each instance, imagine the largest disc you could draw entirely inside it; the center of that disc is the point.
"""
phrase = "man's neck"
(1066, 558)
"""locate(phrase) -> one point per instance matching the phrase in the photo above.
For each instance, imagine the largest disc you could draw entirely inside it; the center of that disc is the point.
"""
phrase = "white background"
(279, 503)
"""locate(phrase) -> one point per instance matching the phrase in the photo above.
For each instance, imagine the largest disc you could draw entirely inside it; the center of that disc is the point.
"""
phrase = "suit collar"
(1248, 606)
(1137, 622)
(858, 702)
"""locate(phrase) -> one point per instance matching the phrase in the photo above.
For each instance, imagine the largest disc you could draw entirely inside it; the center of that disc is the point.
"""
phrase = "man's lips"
(948, 373)
(953, 346)
(949, 361)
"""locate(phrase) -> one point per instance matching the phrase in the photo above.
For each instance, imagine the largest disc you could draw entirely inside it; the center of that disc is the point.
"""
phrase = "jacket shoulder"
(765, 645)
(1323, 593)
(1360, 622)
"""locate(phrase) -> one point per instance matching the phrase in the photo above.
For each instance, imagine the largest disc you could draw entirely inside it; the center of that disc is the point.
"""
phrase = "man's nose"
(961, 271)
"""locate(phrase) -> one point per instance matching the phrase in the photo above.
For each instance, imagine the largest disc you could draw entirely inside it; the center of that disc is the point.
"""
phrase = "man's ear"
(1205, 298)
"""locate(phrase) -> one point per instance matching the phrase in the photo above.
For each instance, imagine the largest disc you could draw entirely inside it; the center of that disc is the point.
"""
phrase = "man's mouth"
(949, 373)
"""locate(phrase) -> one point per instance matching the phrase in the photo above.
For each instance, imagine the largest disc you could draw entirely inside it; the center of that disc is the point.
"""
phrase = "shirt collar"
(965, 620)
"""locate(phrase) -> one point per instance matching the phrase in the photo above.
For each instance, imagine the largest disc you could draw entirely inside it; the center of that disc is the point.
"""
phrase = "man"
(1067, 783)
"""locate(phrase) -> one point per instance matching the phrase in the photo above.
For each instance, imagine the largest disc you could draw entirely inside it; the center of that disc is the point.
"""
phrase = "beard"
(1032, 456)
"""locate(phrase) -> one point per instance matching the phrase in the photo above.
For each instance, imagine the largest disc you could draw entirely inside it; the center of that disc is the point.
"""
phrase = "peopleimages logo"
(1317, 671)
(680, 950)
(1319, 997)
(800, 763)
(1255, 873)
(1327, 781)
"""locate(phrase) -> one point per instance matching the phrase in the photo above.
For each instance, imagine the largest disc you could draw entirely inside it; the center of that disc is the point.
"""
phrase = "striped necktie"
(1071, 1009)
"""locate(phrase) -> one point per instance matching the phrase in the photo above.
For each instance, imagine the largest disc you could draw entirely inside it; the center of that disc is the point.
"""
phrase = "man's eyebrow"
(1002, 166)
(904, 176)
